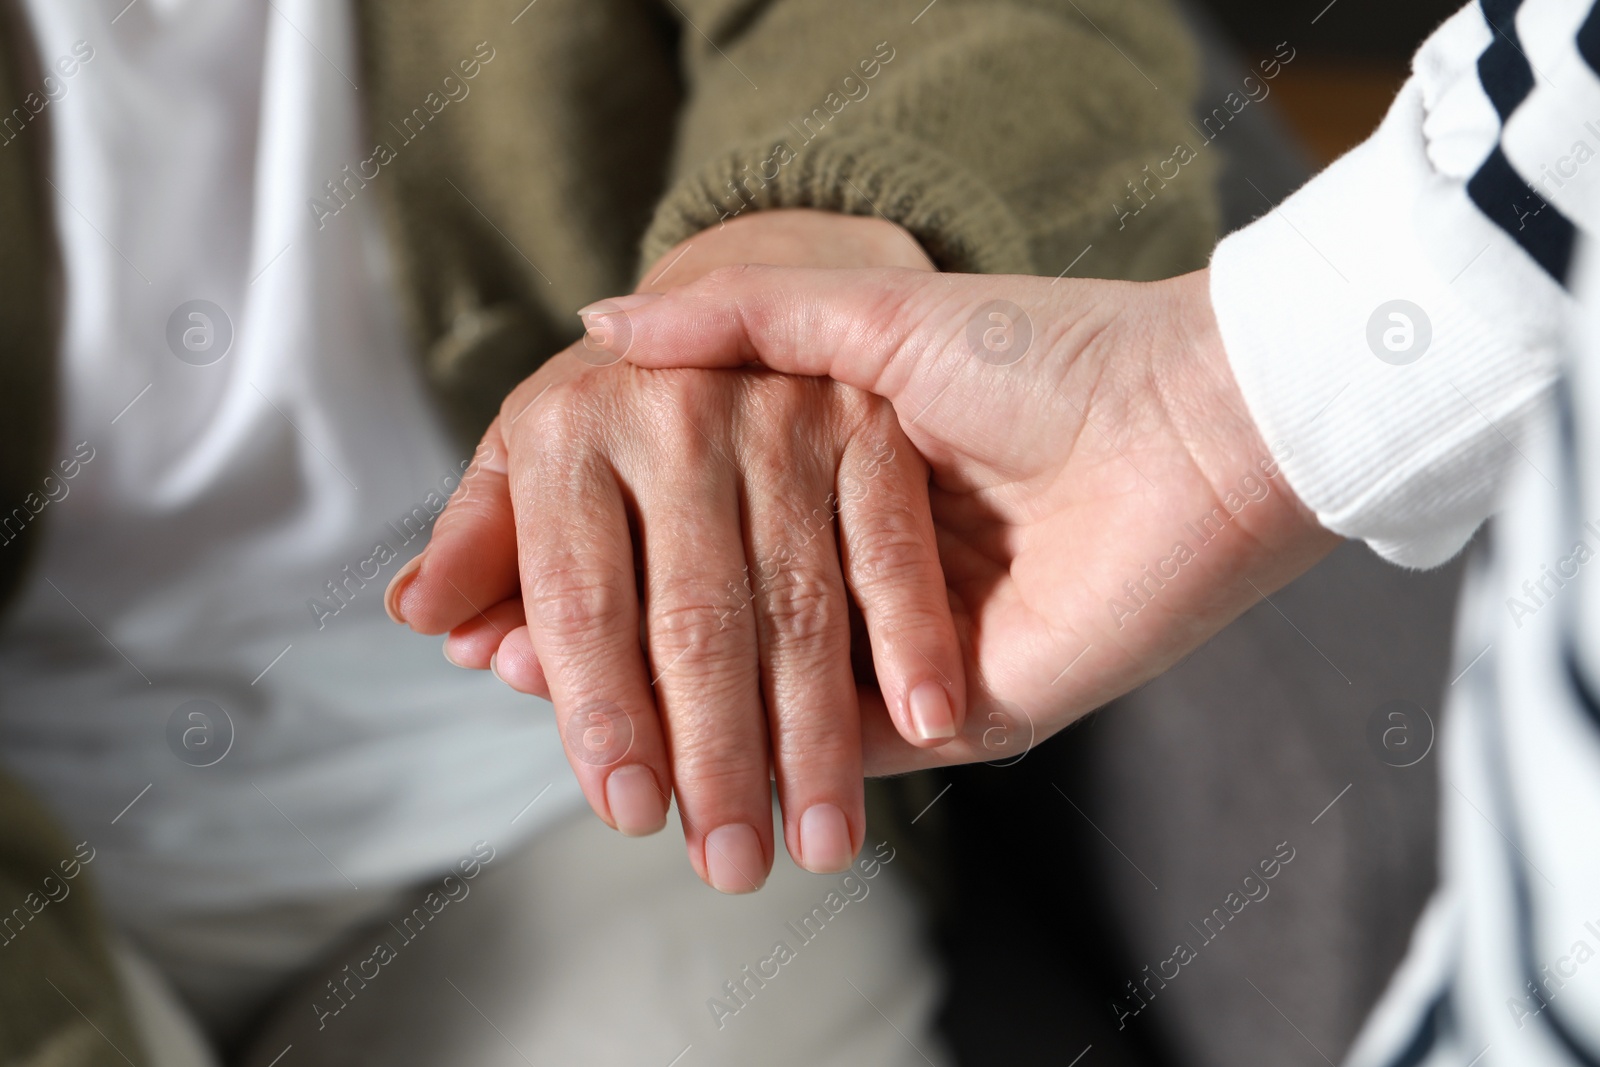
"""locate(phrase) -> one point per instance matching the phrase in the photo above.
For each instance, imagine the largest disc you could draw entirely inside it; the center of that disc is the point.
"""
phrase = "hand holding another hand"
(1102, 500)
(666, 554)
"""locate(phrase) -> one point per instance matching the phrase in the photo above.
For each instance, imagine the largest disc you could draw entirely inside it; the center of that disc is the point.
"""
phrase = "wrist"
(790, 237)
(1201, 400)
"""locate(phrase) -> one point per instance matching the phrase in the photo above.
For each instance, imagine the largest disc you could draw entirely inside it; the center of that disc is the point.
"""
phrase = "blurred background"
(1058, 884)
(1349, 64)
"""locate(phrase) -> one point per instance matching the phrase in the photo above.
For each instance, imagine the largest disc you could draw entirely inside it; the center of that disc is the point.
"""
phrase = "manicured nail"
(825, 840)
(637, 804)
(734, 860)
(931, 714)
(397, 588)
(617, 303)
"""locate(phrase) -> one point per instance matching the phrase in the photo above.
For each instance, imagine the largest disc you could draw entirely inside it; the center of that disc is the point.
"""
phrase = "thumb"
(893, 332)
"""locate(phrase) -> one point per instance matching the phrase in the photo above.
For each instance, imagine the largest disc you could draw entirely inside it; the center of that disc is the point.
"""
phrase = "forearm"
(999, 134)
(789, 238)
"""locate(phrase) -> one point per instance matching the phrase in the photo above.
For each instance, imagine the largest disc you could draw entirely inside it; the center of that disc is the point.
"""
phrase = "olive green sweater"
(591, 137)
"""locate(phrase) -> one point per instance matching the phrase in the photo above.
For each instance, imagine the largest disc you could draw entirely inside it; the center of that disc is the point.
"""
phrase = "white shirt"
(1407, 424)
(222, 498)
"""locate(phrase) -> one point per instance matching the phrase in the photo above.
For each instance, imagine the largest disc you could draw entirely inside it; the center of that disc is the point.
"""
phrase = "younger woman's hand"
(1102, 500)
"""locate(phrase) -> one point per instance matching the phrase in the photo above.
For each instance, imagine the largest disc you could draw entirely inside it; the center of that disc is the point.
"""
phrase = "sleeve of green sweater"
(1003, 134)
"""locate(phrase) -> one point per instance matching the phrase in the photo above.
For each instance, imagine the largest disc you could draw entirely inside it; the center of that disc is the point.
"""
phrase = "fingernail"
(618, 303)
(494, 666)
(825, 840)
(734, 860)
(397, 588)
(931, 714)
(638, 806)
(449, 657)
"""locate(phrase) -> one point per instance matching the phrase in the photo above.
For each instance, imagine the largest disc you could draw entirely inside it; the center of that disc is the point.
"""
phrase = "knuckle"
(681, 414)
(730, 277)
(676, 437)
(859, 411)
(784, 392)
(687, 388)
(784, 414)
(511, 405)
(559, 417)
(890, 551)
(685, 619)
(702, 649)
(578, 606)
(855, 402)
(788, 432)
(663, 384)
(919, 625)
(802, 607)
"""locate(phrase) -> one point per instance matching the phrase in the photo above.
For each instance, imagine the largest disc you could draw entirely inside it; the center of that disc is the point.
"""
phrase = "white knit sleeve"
(1390, 340)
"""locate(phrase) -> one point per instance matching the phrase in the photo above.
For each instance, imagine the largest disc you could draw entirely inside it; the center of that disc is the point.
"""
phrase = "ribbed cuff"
(1399, 445)
(959, 221)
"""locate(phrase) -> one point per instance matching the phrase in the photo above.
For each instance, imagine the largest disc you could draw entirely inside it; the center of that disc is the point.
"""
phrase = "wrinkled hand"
(1102, 499)
(667, 555)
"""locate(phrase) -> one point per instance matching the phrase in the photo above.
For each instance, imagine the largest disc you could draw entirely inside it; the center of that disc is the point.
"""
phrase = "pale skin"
(671, 557)
(1057, 479)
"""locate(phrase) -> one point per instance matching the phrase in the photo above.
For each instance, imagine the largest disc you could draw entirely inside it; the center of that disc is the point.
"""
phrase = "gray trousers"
(1222, 867)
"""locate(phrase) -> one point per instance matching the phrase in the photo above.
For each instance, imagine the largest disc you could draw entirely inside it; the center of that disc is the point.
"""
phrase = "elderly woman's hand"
(672, 557)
